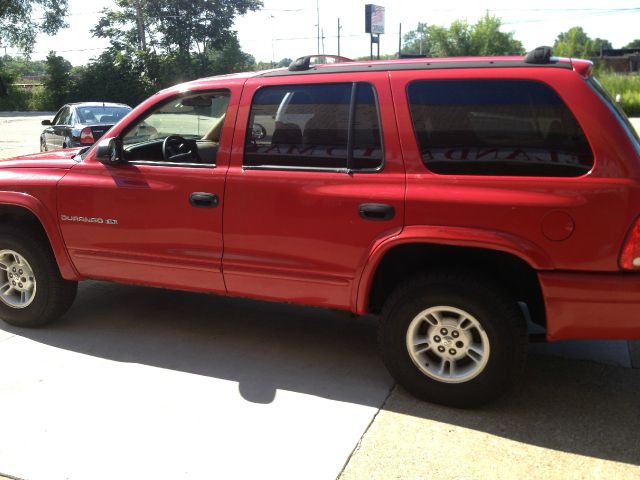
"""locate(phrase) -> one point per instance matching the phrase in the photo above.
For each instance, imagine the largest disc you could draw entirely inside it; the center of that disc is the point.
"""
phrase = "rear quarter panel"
(597, 207)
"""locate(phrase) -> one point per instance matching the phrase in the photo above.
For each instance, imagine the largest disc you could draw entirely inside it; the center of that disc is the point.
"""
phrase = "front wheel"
(453, 338)
(32, 292)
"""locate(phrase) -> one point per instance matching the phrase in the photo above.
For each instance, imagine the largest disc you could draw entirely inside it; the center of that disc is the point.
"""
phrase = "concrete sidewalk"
(143, 383)
(570, 419)
(20, 132)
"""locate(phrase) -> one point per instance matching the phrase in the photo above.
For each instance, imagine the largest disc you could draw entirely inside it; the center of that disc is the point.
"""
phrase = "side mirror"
(46, 122)
(109, 151)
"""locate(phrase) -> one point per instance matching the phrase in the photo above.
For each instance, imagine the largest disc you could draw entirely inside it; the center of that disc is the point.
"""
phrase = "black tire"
(53, 294)
(495, 311)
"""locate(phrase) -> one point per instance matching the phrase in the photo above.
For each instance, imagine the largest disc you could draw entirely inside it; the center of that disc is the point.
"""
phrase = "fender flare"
(525, 250)
(49, 225)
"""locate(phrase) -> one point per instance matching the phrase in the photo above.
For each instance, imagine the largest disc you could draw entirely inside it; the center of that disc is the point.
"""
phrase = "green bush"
(627, 86)
(21, 100)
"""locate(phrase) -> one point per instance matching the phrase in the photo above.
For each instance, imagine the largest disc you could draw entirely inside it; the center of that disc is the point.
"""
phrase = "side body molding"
(50, 225)
(451, 236)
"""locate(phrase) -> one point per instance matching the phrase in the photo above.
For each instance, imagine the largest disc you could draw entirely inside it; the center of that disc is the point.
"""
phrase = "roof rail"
(539, 56)
(304, 63)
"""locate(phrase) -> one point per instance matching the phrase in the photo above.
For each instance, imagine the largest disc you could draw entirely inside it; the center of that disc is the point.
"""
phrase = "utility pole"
(400, 41)
(141, 34)
(339, 27)
(323, 41)
(318, 18)
(273, 54)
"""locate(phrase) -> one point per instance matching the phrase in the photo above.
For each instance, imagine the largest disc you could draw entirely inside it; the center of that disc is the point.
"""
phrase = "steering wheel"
(258, 132)
(178, 149)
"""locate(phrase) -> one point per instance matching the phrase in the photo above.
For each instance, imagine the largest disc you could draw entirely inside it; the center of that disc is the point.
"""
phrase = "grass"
(627, 86)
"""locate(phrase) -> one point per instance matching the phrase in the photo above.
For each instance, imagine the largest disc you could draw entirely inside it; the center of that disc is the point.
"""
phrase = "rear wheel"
(32, 292)
(453, 338)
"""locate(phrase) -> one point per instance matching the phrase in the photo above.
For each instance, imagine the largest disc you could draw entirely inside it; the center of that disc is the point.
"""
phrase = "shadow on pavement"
(567, 405)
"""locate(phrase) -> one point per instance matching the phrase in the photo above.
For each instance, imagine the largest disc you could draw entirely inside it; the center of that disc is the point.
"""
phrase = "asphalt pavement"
(137, 383)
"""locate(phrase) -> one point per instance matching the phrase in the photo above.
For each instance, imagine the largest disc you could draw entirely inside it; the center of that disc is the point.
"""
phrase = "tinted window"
(496, 127)
(99, 114)
(367, 146)
(63, 117)
(308, 126)
(617, 111)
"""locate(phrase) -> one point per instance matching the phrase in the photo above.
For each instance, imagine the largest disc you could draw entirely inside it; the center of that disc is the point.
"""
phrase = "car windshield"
(101, 114)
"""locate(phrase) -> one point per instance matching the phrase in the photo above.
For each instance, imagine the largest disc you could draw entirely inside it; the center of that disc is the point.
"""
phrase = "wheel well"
(24, 219)
(404, 261)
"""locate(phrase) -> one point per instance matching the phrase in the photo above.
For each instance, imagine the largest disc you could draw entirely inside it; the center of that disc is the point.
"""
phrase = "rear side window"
(324, 127)
(497, 127)
(618, 112)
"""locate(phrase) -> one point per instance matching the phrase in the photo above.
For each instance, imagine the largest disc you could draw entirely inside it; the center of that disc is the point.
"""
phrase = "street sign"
(373, 19)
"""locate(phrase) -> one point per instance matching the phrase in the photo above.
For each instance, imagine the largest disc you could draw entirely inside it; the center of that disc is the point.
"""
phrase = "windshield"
(100, 114)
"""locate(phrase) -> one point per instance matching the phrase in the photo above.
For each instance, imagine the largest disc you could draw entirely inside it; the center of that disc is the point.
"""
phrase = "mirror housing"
(109, 151)
(45, 122)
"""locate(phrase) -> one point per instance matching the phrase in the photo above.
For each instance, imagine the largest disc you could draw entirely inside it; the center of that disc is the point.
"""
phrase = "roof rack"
(539, 56)
(304, 63)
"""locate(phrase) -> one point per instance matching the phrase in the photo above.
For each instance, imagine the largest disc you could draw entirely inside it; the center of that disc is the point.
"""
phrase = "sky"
(286, 29)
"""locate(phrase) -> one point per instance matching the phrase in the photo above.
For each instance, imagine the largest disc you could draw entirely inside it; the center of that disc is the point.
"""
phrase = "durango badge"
(76, 218)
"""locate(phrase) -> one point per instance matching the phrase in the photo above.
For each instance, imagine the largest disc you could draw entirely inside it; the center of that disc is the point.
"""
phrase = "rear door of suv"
(316, 179)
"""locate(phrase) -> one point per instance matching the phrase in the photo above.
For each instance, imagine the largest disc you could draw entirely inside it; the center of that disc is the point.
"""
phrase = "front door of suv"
(316, 179)
(157, 218)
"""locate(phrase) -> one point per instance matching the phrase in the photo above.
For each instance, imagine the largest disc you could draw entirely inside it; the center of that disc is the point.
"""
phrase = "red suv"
(458, 199)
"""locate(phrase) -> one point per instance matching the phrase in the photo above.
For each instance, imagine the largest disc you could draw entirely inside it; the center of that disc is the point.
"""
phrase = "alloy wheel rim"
(17, 280)
(448, 344)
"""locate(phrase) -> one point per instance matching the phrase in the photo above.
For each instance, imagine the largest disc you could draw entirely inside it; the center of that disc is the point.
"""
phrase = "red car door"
(149, 220)
(316, 179)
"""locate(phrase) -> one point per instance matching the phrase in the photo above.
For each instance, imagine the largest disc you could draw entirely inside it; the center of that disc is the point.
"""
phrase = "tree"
(231, 59)
(19, 26)
(113, 77)
(172, 26)
(177, 40)
(417, 41)
(576, 43)
(284, 62)
(58, 81)
(16, 67)
(634, 44)
(462, 39)
(487, 39)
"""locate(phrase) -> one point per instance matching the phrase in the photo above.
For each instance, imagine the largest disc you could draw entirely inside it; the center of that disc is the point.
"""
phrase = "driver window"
(62, 117)
(185, 130)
